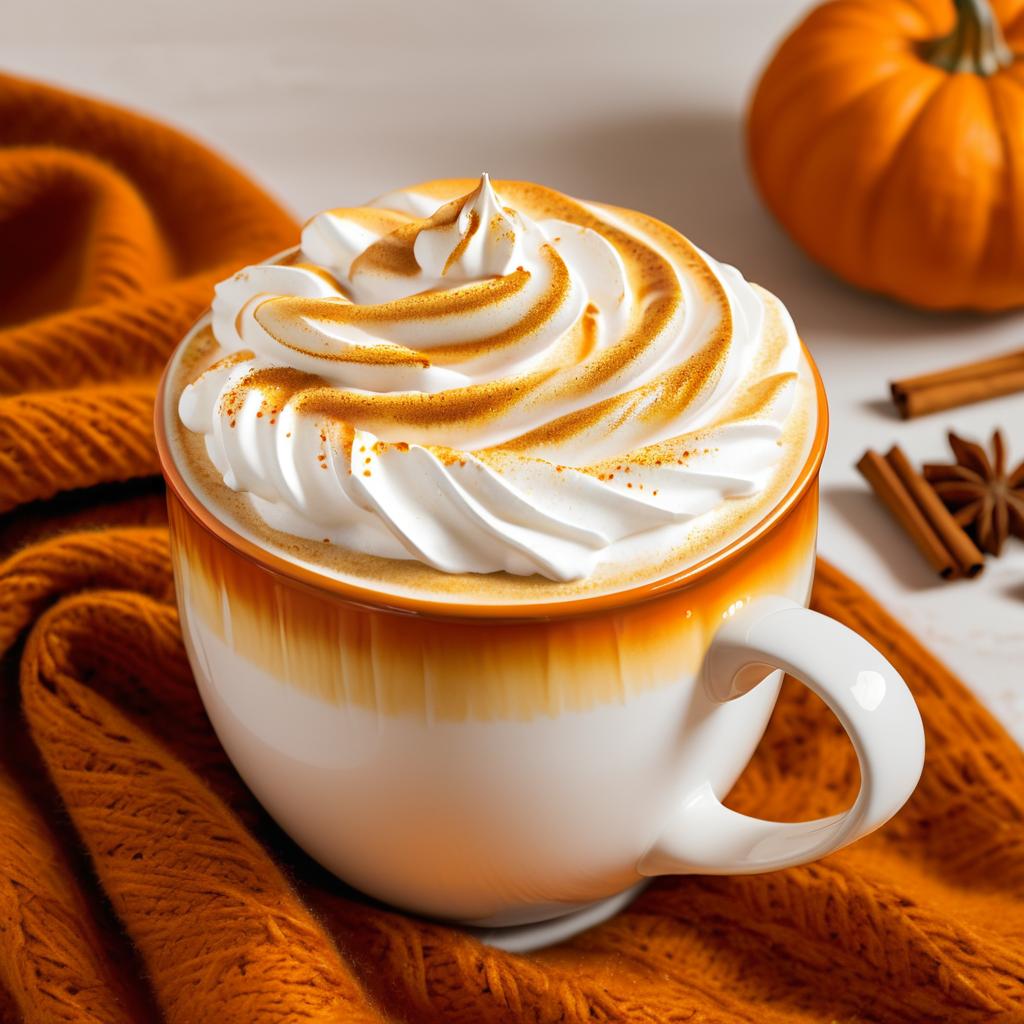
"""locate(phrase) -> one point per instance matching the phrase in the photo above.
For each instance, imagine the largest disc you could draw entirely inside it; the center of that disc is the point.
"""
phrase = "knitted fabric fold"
(113, 231)
(139, 879)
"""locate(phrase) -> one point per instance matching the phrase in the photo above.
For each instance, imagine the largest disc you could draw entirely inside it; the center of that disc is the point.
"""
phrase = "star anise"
(984, 498)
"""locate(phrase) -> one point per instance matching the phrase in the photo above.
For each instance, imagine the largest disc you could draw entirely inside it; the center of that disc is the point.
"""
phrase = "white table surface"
(641, 103)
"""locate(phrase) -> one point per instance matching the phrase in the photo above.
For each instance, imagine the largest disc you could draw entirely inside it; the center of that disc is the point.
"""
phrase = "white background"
(638, 103)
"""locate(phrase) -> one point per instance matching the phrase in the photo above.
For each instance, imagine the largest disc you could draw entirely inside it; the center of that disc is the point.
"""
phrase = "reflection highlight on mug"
(869, 689)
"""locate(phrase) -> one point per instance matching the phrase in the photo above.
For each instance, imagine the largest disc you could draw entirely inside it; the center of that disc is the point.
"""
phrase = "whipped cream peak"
(480, 241)
(488, 378)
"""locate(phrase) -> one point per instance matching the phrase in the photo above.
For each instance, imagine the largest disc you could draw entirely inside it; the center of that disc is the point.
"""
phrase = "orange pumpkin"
(888, 138)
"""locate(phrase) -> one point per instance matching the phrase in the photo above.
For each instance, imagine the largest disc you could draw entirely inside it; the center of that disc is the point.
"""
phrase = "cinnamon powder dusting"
(590, 356)
(456, 254)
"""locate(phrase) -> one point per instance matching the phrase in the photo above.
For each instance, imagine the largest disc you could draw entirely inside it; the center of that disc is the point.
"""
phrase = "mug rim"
(367, 597)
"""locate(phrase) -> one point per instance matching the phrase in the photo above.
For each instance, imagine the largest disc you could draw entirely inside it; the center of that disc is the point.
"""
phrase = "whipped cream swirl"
(492, 382)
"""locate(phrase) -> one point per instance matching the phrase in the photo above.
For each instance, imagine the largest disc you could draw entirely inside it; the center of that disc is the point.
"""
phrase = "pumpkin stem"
(976, 43)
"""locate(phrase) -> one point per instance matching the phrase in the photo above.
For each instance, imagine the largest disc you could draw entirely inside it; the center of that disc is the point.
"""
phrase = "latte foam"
(459, 384)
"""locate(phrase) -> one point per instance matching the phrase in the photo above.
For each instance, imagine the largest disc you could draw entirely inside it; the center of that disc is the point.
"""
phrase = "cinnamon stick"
(969, 559)
(889, 488)
(960, 385)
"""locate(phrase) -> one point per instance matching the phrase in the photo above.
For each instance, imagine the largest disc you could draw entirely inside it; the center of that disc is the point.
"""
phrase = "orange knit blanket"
(139, 880)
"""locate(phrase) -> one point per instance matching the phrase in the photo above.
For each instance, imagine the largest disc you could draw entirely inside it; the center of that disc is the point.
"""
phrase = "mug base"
(528, 938)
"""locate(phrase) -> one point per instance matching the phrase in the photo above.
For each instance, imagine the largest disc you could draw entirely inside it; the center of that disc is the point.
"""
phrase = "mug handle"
(867, 695)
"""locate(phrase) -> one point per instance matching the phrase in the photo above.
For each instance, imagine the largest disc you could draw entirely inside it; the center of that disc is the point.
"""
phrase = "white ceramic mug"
(498, 766)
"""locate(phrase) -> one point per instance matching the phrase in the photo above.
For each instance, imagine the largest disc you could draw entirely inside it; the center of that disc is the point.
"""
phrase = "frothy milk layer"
(460, 379)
